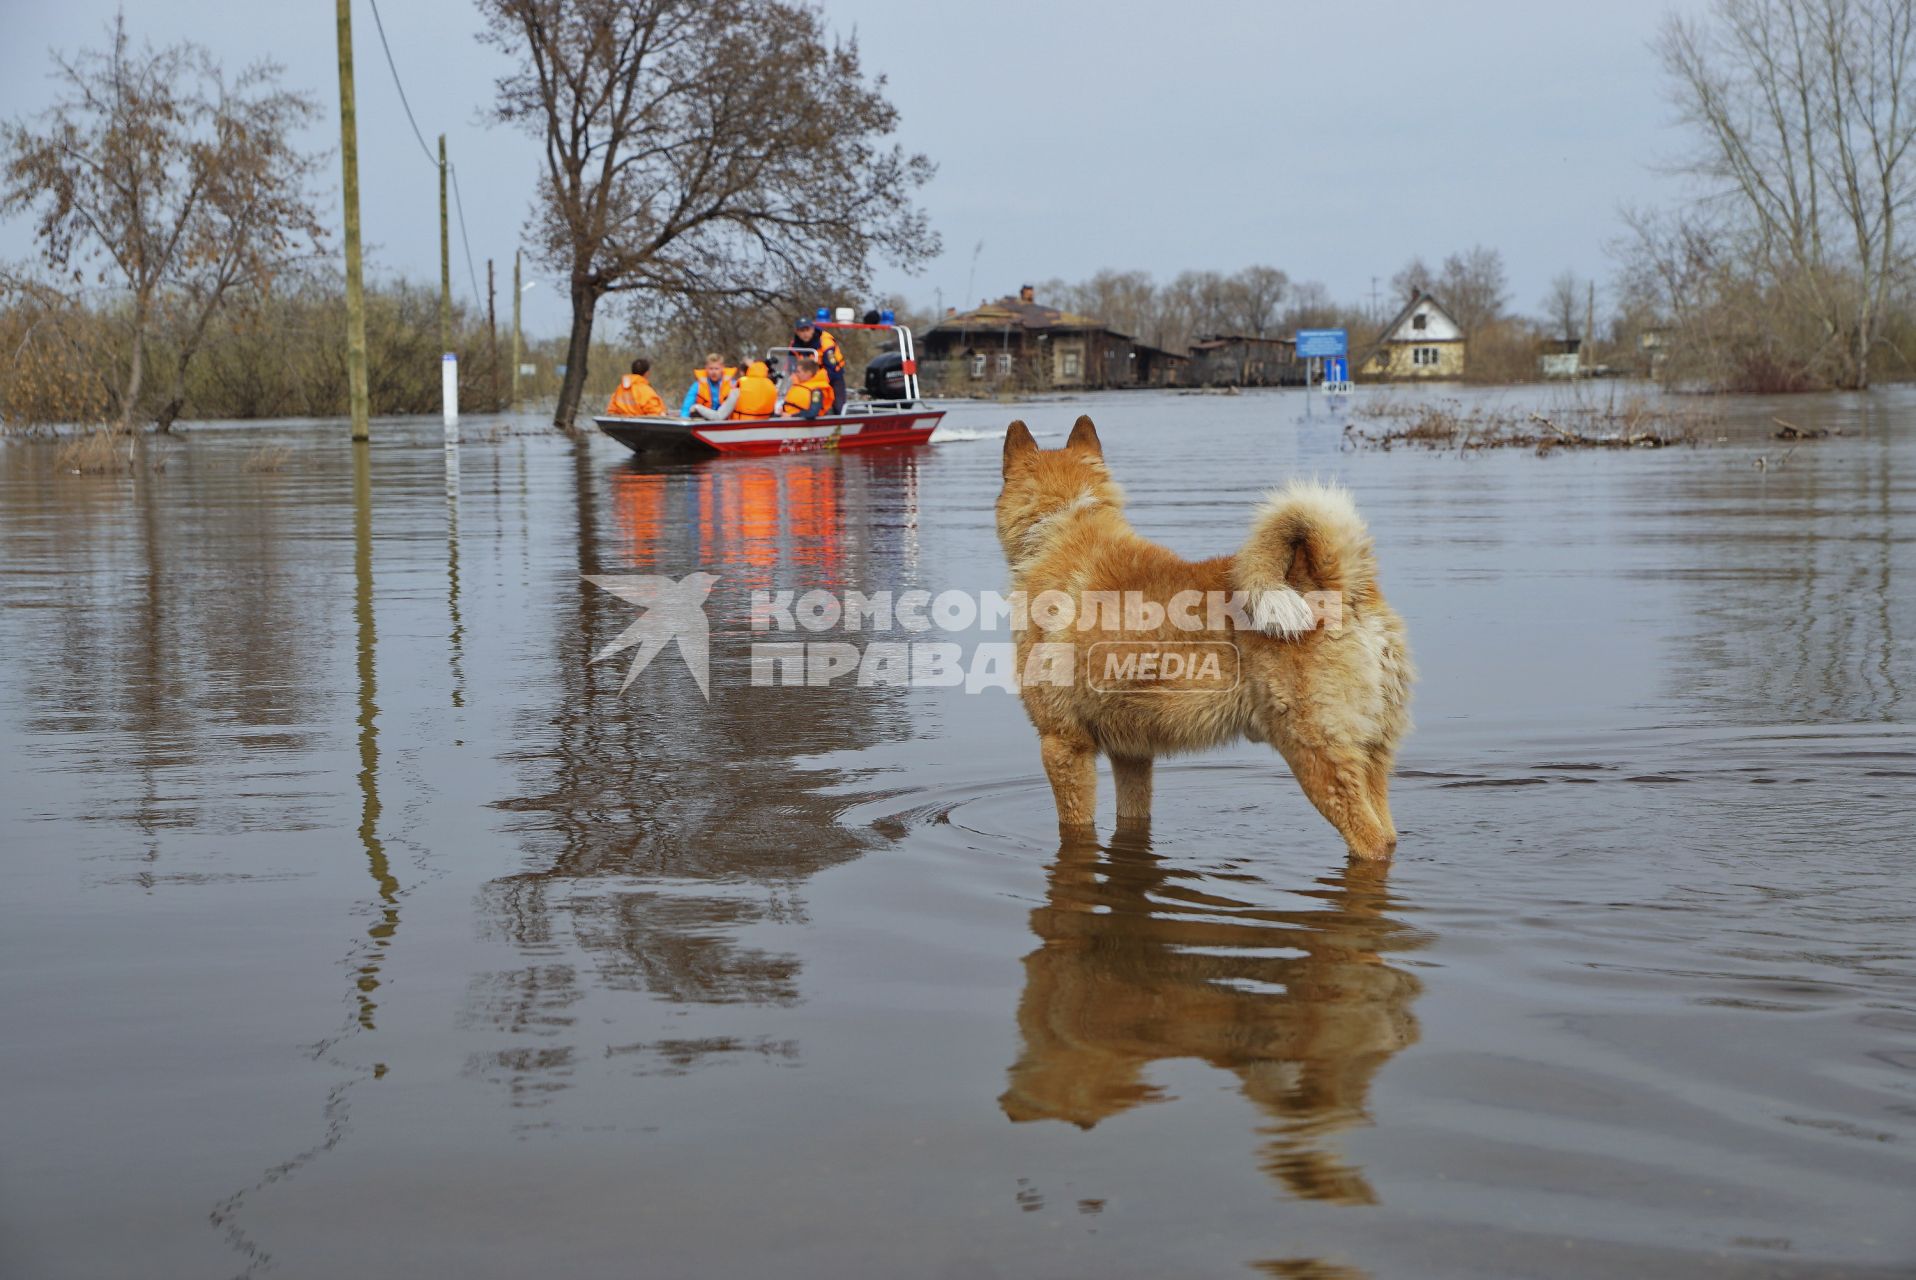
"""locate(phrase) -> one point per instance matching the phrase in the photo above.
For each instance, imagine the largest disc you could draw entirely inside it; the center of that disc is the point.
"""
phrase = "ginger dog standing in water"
(1317, 663)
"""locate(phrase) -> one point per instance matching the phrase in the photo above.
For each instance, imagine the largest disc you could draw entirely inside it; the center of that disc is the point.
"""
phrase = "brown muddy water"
(356, 924)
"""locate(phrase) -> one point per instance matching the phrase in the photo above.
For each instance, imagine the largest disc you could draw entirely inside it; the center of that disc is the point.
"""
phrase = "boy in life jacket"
(807, 336)
(635, 397)
(811, 391)
(714, 391)
(757, 393)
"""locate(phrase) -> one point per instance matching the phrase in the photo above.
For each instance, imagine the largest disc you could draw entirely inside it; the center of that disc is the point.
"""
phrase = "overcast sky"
(1331, 140)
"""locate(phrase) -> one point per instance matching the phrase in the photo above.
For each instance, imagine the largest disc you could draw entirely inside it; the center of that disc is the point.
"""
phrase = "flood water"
(356, 923)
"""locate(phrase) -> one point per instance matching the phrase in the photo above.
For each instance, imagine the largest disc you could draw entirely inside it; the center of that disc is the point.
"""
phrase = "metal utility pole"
(445, 257)
(515, 329)
(492, 340)
(355, 281)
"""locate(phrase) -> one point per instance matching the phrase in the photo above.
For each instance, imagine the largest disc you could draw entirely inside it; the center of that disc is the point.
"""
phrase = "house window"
(1420, 321)
(978, 366)
(1070, 364)
(1423, 355)
(1004, 362)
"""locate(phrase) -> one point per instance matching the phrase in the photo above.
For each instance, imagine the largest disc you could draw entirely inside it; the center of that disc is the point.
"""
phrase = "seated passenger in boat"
(713, 394)
(811, 391)
(757, 393)
(635, 397)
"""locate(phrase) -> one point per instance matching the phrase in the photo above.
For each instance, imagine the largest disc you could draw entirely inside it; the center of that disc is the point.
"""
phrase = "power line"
(394, 68)
(460, 204)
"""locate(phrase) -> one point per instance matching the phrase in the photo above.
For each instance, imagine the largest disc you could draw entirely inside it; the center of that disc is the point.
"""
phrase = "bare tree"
(1310, 308)
(701, 150)
(155, 175)
(1472, 287)
(1804, 112)
(1563, 305)
(1253, 298)
(1125, 300)
(1416, 277)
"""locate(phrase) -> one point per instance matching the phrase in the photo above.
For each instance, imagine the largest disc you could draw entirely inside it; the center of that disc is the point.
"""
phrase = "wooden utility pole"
(445, 257)
(355, 281)
(1588, 349)
(492, 340)
(516, 348)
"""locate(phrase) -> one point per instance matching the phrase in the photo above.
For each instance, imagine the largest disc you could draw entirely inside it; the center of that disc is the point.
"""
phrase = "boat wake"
(956, 435)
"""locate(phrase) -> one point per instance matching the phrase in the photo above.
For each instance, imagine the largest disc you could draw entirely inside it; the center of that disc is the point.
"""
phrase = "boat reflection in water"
(1141, 959)
(746, 520)
(660, 826)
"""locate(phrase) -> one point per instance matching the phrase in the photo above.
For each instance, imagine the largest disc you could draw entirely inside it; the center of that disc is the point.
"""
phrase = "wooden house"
(1019, 341)
(1423, 342)
(1242, 360)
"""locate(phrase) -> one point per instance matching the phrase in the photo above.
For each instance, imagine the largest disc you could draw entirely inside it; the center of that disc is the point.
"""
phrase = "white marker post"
(449, 392)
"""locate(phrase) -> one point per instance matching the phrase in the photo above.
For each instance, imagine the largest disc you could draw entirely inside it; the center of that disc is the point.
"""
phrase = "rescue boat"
(861, 424)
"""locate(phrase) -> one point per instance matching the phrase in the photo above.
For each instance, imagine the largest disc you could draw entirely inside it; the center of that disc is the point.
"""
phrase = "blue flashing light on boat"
(824, 313)
(886, 317)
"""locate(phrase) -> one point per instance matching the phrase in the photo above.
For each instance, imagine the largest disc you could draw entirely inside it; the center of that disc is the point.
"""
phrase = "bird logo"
(674, 611)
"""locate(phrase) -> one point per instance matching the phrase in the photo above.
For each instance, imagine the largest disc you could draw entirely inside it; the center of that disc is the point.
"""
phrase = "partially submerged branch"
(1635, 424)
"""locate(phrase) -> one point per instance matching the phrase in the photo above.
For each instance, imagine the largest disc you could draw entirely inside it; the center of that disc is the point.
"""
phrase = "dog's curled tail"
(1307, 538)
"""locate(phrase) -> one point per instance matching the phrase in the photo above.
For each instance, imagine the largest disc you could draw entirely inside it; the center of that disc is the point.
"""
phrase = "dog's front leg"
(1133, 776)
(1071, 763)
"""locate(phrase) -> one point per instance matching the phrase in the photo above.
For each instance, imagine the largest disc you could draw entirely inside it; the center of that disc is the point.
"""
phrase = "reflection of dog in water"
(1135, 966)
(1332, 700)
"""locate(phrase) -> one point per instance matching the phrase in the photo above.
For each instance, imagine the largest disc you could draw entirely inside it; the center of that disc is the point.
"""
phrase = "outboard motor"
(885, 376)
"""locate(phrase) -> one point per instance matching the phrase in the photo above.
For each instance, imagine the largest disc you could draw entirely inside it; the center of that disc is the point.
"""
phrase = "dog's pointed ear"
(1084, 437)
(1018, 445)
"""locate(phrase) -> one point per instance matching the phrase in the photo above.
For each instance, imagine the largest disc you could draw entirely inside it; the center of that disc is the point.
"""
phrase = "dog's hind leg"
(1377, 771)
(1340, 784)
(1133, 777)
(1071, 762)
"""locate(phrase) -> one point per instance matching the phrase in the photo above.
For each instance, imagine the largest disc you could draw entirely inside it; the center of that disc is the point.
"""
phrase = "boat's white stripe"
(767, 433)
(721, 431)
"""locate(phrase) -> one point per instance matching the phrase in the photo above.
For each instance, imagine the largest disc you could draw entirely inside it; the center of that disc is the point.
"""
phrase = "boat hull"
(773, 435)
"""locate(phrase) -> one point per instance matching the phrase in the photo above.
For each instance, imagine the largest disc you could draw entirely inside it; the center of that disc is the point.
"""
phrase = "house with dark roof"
(1424, 341)
(1019, 341)
(1244, 360)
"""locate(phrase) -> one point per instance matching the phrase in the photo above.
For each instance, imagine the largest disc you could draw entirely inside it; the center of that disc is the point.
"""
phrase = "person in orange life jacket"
(713, 393)
(807, 336)
(811, 391)
(757, 393)
(635, 397)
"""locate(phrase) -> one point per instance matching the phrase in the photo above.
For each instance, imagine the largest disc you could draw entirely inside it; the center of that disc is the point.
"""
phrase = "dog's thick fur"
(1332, 700)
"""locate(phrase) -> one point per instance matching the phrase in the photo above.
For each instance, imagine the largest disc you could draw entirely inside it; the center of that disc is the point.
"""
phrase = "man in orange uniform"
(811, 391)
(635, 397)
(807, 336)
(757, 393)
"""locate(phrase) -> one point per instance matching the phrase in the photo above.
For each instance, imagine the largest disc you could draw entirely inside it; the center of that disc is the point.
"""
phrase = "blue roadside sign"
(1337, 369)
(1313, 344)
